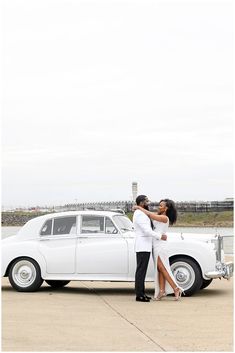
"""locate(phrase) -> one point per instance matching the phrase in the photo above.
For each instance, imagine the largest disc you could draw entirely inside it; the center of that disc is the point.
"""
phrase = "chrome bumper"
(223, 270)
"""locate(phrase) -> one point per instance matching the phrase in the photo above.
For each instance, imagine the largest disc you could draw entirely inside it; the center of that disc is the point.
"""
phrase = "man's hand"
(164, 237)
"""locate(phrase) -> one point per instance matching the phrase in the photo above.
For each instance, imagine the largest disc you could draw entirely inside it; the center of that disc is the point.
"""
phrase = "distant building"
(134, 190)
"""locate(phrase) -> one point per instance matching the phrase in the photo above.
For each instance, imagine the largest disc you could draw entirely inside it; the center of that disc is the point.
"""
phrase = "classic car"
(99, 245)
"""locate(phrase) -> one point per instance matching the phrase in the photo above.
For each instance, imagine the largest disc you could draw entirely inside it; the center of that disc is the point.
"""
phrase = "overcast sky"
(98, 94)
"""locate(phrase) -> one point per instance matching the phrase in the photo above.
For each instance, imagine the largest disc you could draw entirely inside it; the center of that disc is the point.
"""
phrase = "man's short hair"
(140, 199)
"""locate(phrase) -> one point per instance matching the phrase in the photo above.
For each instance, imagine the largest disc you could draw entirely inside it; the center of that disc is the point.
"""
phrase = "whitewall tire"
(25, 275)
(187, 274)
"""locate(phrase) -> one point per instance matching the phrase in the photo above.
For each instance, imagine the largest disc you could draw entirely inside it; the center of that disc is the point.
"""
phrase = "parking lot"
(104, 316)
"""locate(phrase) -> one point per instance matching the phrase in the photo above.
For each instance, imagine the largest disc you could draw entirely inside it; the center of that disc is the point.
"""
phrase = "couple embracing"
(150, 230)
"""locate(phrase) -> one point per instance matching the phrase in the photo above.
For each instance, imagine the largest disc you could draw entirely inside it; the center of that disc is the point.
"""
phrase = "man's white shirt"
(143, 232)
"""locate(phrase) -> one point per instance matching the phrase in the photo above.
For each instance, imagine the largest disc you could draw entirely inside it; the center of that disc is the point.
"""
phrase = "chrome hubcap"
(24, 273)
(184, 274)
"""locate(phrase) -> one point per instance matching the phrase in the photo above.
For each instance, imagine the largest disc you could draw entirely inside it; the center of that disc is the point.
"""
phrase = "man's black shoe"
(142, 299)
(146, 296)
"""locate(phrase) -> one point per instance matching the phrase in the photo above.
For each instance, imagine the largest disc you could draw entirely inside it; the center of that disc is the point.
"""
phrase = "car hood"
(191, 236)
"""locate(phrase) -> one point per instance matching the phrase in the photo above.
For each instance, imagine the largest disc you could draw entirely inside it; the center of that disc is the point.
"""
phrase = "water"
(203, 230)
(226, 232)
(7, 231)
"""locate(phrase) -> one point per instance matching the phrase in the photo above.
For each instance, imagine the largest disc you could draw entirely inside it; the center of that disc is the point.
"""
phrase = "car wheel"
(187, 274)
(206, 283)
(25, 275)
(56, 284)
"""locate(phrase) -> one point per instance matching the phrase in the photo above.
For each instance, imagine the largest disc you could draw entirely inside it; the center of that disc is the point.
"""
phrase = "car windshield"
(123, 223)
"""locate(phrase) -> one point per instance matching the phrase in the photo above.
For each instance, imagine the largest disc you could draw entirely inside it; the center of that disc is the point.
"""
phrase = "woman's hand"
(164, 237)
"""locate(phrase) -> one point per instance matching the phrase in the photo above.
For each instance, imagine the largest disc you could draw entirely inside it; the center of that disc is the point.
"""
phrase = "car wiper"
(126, 229)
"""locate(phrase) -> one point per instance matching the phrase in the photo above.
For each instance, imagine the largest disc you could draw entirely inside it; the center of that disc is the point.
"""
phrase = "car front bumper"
(223, 270)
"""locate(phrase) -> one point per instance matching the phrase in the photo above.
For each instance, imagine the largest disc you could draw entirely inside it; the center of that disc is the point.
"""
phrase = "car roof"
(77, 213)
(33, 226)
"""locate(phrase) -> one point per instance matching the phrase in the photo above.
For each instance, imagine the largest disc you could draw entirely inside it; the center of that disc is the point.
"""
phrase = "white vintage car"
(99, 245)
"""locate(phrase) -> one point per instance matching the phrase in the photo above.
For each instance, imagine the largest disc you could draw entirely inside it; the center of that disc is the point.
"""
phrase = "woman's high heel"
(160, 295)
(178, 292)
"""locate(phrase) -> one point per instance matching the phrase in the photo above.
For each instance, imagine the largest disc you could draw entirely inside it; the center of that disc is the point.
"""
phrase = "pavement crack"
(123, 317)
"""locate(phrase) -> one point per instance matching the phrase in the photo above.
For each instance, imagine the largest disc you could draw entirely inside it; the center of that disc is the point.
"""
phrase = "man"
(143, 246)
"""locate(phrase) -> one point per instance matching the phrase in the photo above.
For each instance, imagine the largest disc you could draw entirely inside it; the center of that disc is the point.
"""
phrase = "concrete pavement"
(104, 316)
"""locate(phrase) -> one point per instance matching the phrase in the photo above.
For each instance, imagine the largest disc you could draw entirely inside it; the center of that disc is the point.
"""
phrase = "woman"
(167, 214)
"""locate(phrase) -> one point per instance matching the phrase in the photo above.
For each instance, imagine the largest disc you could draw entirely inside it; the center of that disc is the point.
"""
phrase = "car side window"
(46, 229)
(64, 225)
(92, 224)
(110, 227)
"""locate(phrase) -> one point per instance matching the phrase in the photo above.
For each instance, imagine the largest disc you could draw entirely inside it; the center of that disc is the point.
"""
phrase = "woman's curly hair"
(171, 211)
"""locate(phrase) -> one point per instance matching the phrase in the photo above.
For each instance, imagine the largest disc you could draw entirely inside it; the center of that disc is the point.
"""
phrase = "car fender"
(12, 251)
(202, 253)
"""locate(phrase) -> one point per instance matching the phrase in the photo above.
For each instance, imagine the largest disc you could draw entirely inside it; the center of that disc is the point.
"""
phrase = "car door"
(101, 249)
(58, 244)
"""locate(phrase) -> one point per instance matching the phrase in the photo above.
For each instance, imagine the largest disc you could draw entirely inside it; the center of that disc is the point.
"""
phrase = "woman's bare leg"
(165, 274)
(161, 281)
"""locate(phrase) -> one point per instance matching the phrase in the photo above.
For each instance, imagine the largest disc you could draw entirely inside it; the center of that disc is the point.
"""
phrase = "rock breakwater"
(17, 219)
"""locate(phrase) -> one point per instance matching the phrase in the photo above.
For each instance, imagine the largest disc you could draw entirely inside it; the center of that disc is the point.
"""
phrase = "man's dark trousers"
(142, 259)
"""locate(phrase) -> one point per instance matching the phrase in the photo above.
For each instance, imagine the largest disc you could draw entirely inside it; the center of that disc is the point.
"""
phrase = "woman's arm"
(152, 215)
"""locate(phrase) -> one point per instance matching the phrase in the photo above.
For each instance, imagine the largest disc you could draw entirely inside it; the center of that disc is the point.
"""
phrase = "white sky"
(98, 94)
